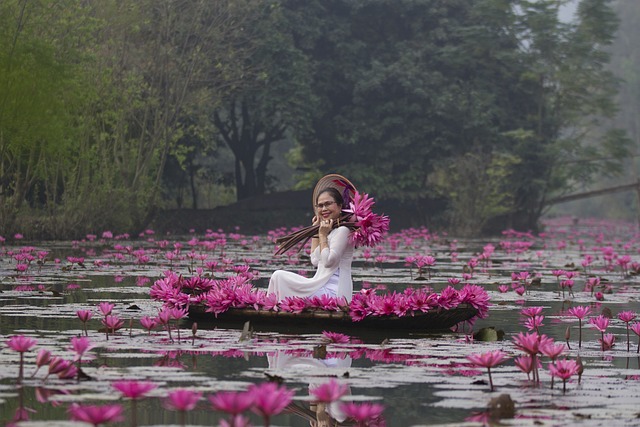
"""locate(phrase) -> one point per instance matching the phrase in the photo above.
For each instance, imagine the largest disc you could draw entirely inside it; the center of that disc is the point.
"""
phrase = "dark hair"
(337, 197)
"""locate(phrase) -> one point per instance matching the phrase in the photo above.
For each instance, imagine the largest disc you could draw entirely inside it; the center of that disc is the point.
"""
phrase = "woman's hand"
(326, 226)
(315, 220)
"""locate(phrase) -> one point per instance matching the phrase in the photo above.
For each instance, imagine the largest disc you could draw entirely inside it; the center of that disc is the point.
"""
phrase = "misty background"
(469, 116)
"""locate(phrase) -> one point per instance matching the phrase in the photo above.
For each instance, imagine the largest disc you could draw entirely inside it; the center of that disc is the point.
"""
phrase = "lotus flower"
(328, 392)
(94, 414)
(564, 369)
(580, 312)
(231, 402)
(488, 360)
(363, 413)
(270, 399)
(371, 227)
(21, 344)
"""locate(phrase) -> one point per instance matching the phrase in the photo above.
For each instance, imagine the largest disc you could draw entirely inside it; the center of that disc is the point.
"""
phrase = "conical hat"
(340, 183)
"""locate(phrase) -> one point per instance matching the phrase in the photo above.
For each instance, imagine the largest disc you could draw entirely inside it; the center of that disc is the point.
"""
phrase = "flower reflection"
(22, 412)
(327, 406)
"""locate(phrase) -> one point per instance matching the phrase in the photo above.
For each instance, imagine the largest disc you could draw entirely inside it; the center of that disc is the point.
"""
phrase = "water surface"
(420, 378)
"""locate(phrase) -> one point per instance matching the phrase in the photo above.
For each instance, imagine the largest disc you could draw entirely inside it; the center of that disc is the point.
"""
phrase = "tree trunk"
(192, 183)
(261, 169)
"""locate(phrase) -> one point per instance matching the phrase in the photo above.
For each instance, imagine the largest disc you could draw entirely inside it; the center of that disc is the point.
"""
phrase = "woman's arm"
(331, 255)
(315, 243)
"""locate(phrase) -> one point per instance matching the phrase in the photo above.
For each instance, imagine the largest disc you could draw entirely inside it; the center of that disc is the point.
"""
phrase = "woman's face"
(327, 208)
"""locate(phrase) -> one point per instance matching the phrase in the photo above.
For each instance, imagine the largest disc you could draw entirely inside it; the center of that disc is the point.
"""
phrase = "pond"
(537, 284)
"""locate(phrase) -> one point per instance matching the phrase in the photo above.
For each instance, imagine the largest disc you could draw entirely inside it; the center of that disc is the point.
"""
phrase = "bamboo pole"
(594, 193)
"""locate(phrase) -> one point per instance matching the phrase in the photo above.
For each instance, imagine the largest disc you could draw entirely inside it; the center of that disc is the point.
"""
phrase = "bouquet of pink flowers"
(368, 228)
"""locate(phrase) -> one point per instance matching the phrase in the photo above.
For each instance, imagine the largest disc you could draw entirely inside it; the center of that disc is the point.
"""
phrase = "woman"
(331, 249)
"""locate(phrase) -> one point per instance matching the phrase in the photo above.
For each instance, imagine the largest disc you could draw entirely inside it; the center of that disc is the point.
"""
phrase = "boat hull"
(311, 320)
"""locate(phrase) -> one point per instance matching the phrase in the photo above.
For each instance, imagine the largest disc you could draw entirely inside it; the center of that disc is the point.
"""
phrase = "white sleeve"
(315, 256)
(338, 244)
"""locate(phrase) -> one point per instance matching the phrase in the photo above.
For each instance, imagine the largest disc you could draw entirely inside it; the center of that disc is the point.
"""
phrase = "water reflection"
(22, 412)
(319, 414)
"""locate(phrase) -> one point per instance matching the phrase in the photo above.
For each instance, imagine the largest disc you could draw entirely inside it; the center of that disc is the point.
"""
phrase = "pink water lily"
(328, 392)
(148, 323)
(580, 312)
(293, 304)
(182, 400)
(534, 323)
(449, 298)
(371, 227)
(232, 402)
(525, 364)
(592, 284)
(112, 324)
(105, 308)
(477, 297)
(269, 399)
(601, 323)
(607, 341)
(531, 311)
(57, 365)
(84, 316)
(627, 317)
(488, 360)
(530, 343)
(335, 337)
(324, 302)
(567, 283)
(80, 346)
(134, 389)
(363, 413)
(552, 350)
(96, 414)
(563, 369)
(43, 358)
(21, 344)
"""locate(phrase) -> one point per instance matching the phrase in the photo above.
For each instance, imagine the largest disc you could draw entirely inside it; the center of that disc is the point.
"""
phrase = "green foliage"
(107, 108)
(43, 91)
(401, 99)
(490, 196)
(410, 86)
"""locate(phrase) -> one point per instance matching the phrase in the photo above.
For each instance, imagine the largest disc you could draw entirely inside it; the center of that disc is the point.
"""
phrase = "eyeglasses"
(324, 205)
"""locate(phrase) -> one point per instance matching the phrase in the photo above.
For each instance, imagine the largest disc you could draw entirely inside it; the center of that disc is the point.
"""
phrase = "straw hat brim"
(333, 180)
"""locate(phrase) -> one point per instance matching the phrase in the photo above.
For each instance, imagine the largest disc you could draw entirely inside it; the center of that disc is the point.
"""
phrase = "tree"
(266, 108)
(43, 92)
(571, 93)
(408, 87)
(401, 87)
(183, 162)
(95, 95)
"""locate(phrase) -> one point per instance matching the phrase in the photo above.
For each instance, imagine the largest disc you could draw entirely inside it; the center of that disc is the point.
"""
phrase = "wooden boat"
(314, 320)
